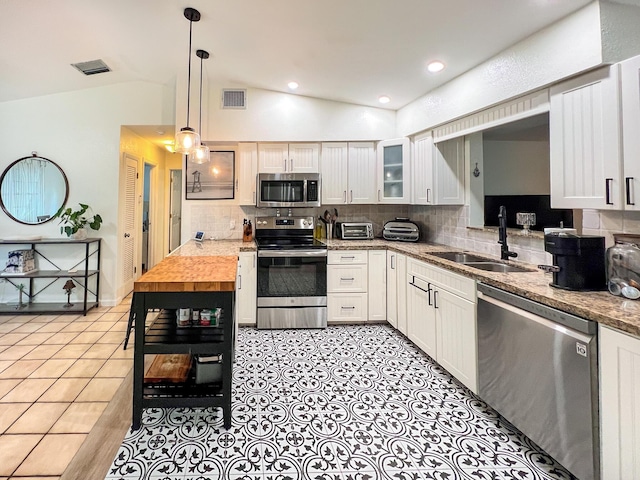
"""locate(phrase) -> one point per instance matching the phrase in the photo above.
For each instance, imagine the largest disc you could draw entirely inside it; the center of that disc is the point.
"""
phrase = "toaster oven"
(354, 230)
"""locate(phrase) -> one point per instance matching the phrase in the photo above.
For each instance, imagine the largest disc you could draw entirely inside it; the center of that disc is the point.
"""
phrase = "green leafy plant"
(74, 220)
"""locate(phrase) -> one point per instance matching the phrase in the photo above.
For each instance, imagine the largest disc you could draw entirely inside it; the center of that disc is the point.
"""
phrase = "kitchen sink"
(459, 257)
(497, 267)
(481, 263)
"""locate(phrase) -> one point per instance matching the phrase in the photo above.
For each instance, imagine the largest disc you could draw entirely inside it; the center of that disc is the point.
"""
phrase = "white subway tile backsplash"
(591, 219)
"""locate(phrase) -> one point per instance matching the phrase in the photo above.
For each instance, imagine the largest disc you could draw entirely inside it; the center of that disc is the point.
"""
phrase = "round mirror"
(32, 190)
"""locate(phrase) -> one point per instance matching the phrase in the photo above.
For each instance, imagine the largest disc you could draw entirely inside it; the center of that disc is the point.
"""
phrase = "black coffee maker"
(578, 261)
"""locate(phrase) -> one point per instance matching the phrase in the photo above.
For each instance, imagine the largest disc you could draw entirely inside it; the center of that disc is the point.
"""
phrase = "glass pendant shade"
(187, 141)
(200, 155)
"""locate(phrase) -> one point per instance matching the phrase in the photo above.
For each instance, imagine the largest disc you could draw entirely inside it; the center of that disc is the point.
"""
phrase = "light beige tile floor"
(57, 376)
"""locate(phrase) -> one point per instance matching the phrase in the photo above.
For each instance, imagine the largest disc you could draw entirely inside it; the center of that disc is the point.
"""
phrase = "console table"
(184, 282)
(85, 272)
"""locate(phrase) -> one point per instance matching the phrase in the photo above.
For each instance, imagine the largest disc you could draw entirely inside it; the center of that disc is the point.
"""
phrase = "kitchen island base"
(164, 336)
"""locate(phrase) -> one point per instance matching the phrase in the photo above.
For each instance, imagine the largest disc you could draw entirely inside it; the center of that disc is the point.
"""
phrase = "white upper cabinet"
(246, 171)
(584, 133)
(362, 173)
(348, 173)
(288, 157)
(422, 191)
(437, 171)
(448, 171)
(393, 171)
(334, 168)
(630, 81)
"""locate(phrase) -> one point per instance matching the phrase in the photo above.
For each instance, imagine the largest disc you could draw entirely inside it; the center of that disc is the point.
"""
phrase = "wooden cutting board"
(169, 368)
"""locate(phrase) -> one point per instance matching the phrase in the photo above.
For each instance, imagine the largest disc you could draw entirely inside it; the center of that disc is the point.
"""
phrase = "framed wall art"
(213, 180)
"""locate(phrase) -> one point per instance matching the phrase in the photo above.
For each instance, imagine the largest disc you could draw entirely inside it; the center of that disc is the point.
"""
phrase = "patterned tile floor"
(348, 402)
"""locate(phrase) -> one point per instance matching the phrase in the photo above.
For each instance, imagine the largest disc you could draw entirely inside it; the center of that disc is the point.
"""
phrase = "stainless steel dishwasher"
(537, 366)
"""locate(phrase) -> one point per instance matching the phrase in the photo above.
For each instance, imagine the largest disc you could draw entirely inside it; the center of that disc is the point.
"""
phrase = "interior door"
(129, 242)
(175, 209)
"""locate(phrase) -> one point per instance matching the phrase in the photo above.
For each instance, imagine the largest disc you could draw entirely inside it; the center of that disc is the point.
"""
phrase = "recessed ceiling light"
(435, 66)
(384, 99)
(293, 85)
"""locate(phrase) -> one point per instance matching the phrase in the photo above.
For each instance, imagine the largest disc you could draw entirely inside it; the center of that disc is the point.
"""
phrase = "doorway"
(146, 218)
(175, 209)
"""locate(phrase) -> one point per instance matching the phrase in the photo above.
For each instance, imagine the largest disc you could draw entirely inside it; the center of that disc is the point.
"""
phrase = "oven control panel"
(284, 223)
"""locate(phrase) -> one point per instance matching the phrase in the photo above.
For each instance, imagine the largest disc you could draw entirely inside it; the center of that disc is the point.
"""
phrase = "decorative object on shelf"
(187, 140)
(68, 287)
(20, 261)
(20, 289)
(215, 181)
(526, 220)
(201, 154)
(32, 188)
(73, 221)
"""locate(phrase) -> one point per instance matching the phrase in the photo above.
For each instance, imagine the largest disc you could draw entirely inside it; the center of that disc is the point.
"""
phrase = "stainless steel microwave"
(288, 190)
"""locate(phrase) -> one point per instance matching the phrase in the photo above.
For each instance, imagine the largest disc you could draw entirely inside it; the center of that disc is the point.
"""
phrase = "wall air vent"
(234, 98)
(92, 67)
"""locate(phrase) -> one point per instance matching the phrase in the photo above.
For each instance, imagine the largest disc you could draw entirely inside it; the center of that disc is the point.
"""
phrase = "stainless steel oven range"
(292, 274)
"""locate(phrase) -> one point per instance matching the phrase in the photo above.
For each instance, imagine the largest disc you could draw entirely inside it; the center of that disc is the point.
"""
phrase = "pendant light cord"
(189, 75)
(200, 121)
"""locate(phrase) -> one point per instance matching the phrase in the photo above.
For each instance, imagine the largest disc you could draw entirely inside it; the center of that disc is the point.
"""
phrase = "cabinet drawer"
(337, 257)
(347, 278)
(346, 307)
(453, 282)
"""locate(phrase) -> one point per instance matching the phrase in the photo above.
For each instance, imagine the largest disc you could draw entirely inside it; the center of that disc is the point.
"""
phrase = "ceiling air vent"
(92, 67)
(234, 98)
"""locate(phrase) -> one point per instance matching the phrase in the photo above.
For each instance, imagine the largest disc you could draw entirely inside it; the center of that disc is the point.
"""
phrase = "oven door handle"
(292, 253)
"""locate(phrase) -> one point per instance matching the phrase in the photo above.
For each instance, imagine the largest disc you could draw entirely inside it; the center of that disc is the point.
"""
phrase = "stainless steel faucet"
(505, 254)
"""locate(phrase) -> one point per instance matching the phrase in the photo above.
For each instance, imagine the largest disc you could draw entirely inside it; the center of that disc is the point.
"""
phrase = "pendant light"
(202, 153)
(188, 139)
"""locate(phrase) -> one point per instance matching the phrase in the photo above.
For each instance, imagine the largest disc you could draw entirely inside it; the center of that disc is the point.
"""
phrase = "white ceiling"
(346, 50)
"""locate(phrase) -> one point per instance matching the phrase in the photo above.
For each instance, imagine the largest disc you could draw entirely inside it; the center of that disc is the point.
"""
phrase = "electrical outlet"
(232, 224)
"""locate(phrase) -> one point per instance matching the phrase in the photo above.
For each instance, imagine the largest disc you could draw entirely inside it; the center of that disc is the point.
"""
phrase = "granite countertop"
(602, 307)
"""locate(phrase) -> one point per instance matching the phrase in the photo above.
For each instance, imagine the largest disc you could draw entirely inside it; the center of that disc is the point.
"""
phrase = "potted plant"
(74, 222)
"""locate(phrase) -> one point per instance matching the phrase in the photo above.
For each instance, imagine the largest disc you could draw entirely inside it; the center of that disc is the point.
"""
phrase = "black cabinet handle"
(628, 184)
(435, 299)
(607, 184)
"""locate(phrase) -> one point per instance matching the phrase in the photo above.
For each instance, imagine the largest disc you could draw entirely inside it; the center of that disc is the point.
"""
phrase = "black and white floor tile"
(347, 402)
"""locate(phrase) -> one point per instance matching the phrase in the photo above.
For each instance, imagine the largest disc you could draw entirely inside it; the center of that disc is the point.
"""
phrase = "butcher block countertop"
(190, 274)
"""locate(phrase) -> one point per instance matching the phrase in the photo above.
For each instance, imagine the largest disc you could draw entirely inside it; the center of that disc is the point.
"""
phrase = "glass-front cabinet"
(393, 171)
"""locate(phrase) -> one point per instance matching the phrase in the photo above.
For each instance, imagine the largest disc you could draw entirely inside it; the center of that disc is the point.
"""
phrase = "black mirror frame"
(66, 184)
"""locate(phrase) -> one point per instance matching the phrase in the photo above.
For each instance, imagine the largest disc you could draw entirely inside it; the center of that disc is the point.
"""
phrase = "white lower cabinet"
(619, 405)
(347, 286)
(246, 289)
(402, 293)
(396, 291)
(441, 318)
(377, 287)
(356, 286)
(421, 316)
(347, 307)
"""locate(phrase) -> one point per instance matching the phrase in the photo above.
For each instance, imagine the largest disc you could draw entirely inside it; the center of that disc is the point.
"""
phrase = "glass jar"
(623, 266)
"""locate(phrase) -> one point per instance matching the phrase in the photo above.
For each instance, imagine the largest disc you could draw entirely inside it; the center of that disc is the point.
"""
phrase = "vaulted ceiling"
(346, 50)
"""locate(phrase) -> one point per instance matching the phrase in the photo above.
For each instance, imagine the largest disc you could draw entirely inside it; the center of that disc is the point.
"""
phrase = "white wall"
(80, 131)
(516, 168)
(563, 49)
(620, 30)
(283, 117)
